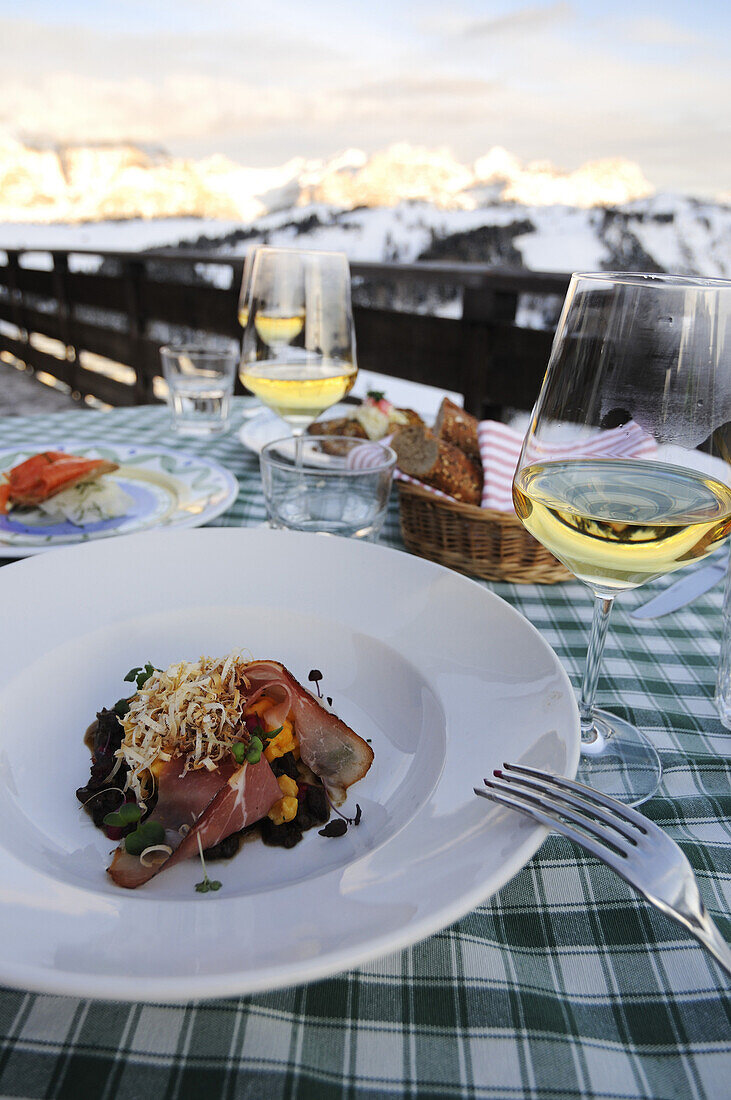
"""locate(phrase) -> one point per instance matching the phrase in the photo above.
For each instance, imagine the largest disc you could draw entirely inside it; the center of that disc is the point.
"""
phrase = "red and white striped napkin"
(368, 455)
(500, 450)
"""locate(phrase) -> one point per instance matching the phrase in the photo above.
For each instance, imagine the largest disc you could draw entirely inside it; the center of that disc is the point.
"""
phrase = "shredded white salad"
(88, 502)
(192, 708)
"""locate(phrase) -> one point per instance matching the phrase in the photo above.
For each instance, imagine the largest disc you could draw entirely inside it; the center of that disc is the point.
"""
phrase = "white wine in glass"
(618, 524)
(299, 345)
(624, 472)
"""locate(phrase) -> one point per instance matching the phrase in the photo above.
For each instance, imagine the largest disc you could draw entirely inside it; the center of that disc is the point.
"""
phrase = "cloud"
(533, 18)
(419, 87)
(260, 52)
(262, 93)
(71, 108)
(655, 31)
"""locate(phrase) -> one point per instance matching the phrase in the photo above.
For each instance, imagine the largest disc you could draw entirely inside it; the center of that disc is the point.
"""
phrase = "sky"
(562, 80)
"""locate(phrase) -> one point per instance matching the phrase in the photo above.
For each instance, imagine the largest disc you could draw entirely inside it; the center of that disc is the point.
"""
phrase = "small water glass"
(327, 484)
(200, 386)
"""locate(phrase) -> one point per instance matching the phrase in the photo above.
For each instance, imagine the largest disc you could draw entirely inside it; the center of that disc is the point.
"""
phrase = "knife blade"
(682, 592)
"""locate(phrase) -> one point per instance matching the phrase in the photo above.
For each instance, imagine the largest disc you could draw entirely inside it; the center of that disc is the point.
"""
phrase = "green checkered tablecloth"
(564, 984)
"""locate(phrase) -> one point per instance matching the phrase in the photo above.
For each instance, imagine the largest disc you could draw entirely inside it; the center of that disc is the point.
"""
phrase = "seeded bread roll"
(422, 455)
(411, 416)
(343, 426)
(458, 427)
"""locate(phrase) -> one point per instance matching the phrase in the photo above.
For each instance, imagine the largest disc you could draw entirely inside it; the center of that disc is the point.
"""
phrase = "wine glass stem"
(298, 433)
(591, 738)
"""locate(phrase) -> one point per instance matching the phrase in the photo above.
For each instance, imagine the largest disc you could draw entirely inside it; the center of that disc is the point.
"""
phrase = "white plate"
(445, 678)
(169, 489)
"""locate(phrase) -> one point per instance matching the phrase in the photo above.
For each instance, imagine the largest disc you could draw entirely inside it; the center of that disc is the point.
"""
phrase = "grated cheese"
(192, 709)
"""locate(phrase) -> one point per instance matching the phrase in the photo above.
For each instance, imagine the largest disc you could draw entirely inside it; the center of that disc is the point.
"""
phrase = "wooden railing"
(99, 333)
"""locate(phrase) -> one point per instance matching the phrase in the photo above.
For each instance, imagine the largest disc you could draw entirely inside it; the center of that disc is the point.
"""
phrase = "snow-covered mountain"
(404, 203)
(83, 183)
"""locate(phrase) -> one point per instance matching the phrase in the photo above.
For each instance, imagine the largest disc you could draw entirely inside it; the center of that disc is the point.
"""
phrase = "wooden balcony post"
(483, 308)
(65, 315)
(16, 299)
(133, 273)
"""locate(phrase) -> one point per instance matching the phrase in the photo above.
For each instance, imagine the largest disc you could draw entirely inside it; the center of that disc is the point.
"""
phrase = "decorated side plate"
(166, 488)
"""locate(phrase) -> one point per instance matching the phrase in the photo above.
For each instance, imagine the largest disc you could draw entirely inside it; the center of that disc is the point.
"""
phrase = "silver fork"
(637, 849)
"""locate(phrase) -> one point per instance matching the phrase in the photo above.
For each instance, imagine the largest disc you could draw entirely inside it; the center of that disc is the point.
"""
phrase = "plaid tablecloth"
(564, 984)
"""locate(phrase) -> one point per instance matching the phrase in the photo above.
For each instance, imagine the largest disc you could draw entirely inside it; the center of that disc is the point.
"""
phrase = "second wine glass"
(298, 353)
(611, 478)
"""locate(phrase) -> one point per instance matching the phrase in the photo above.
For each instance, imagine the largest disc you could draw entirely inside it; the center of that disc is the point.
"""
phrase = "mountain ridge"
(78, 182)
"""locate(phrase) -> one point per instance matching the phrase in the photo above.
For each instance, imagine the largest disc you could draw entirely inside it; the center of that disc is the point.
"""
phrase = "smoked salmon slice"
(44, 475)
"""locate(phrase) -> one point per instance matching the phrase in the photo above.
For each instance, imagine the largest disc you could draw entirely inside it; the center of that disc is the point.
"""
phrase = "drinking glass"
(200, 383)
(333, 486)
(250, 403)
(610, 478)
(298, 353)
(243, 308)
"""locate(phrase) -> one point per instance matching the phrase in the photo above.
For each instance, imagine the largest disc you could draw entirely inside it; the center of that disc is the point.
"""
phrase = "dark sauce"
(314, 810)
(104, 737)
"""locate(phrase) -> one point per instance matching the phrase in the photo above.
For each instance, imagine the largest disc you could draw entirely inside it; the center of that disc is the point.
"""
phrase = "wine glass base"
(620, 761)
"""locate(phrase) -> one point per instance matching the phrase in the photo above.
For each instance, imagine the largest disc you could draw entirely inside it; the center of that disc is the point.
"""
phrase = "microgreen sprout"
(207, 883)
(314, 677)
(376, 395)
(140, 675)
(128, 813)
(334, 828)
(339, 828)
(145, 835)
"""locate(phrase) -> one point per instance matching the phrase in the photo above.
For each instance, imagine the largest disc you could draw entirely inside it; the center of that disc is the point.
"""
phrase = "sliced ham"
(213, 804)
(248, 796)
(330, 748)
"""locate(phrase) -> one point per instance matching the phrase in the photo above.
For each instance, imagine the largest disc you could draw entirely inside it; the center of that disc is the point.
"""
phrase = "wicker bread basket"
(478, 541)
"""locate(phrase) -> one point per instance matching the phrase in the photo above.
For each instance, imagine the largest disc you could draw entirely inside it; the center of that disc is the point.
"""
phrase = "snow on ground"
(565, 239)
(697, 239)
(399, 232)
(677, 233)
(115, 236)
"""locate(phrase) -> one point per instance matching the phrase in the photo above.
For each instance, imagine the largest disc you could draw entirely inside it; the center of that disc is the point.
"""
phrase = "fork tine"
(547, 801)
(546, 786)
(519, 801)
(588, 793)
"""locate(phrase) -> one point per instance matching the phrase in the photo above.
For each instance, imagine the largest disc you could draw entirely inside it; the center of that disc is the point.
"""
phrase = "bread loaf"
(343, 426)
(436, 462)
(411, 416)
(458, 427)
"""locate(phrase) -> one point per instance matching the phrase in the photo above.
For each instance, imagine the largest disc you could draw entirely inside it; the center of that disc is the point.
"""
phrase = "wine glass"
(250, 403)
(298, 352)
(243, 308)
(610, 478)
